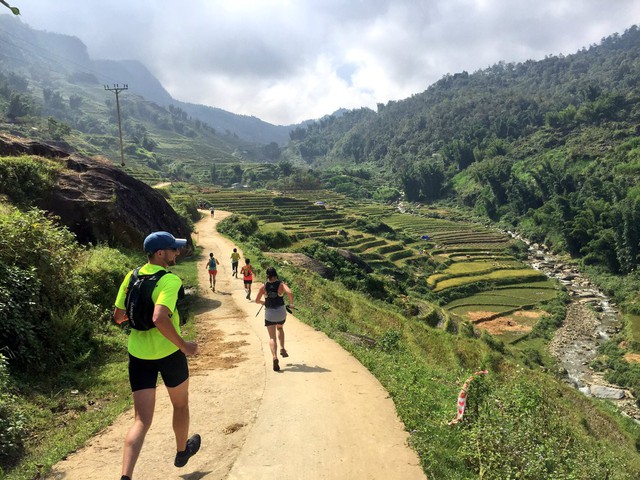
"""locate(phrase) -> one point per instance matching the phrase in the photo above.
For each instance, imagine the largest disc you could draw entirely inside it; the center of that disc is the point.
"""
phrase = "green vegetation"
(56, 300)
(547, 147)
(25, 180)
(564, 434)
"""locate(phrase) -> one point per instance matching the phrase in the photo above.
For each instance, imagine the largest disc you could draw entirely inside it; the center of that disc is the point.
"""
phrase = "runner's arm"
(260, 294)
(285, 289)
(162, 321)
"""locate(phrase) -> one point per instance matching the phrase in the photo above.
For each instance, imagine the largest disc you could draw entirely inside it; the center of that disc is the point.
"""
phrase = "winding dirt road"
(322, 417)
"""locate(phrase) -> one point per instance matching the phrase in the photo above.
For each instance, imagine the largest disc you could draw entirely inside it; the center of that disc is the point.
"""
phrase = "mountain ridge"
(69, 53)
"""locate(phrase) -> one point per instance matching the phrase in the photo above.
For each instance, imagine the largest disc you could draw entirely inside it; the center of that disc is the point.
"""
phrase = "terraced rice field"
(505, 294)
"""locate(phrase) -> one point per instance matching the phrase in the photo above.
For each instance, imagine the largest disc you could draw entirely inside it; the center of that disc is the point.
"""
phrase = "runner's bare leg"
(144, 403)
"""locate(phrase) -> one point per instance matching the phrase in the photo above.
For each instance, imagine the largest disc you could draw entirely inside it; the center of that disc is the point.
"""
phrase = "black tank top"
(272, 299)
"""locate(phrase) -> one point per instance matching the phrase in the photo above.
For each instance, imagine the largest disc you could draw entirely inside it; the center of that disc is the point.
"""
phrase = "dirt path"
(323, 416)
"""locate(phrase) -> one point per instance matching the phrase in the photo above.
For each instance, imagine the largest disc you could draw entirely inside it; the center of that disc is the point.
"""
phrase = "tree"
(57, 130)
(75, 101)
(19, 106)
(237, 173)
(271, 151)
(285, 167)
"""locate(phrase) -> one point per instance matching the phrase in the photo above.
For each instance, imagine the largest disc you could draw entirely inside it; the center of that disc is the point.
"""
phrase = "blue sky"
(285, 61)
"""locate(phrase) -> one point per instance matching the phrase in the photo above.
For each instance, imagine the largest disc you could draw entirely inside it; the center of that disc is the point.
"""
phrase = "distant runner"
(235, 258)
(212, 266)
(275, 312)
(247, 277)
(211, 210)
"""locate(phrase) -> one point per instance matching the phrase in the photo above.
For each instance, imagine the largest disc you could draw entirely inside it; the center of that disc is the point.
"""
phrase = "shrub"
(274, 239)
(12, 422)
(21, 313)
(374, 226)
(40, 288)
(187, 208)
(239, 227)
(390, 341)
(386, 194)
(103, 269)
(25, 179)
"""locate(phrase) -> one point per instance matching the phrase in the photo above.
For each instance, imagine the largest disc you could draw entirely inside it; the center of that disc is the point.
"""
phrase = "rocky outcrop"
(98, 201)
(301, 260)
(355, 259)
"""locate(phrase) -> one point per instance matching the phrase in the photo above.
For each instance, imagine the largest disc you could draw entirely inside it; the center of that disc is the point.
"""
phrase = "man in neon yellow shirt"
(160, 349)
(235, 258)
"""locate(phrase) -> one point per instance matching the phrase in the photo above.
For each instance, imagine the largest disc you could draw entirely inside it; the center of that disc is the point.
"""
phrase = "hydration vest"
(139, 303)
(272, 299)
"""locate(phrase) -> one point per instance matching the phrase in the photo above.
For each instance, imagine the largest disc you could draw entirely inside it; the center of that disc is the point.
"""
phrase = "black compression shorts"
(144, 373)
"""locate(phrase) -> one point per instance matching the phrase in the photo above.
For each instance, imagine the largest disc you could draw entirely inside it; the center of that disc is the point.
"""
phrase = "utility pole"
(117, 89)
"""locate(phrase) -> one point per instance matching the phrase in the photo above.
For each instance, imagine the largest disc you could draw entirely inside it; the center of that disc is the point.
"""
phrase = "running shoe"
(193, 445)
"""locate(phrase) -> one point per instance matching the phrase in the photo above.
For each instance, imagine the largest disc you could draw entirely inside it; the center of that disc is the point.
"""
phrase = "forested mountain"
(142, 82)
(51, 90)
(549, 146)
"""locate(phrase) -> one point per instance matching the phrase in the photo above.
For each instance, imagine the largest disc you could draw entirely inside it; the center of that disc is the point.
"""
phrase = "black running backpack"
(138, 303)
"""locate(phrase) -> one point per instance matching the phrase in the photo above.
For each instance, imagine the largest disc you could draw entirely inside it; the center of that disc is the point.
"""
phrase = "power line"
(117, 89)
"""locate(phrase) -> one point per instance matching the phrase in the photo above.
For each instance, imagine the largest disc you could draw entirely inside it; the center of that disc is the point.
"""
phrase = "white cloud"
(289, 60)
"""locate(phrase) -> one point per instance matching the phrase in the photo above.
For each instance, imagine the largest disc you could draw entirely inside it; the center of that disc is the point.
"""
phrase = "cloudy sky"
(285, 61)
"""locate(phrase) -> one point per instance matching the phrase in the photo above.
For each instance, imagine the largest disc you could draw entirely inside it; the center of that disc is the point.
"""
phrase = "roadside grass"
(66, 410)
(632, 324)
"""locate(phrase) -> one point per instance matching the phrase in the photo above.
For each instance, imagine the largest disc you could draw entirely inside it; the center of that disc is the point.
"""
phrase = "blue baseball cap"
(162, 241)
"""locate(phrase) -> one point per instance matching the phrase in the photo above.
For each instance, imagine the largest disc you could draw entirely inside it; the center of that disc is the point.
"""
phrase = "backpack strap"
(134, 277)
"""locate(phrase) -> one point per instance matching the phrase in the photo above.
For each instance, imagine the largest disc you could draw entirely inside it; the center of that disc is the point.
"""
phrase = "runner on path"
(212, 267)
(275, 312)
(156, 346)
(235, 258)
(247, 277)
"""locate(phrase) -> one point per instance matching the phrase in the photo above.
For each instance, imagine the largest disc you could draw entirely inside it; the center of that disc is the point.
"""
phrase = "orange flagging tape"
(462, 398)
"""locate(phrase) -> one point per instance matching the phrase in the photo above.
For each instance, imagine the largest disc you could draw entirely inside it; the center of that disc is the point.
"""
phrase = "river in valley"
(591, 319)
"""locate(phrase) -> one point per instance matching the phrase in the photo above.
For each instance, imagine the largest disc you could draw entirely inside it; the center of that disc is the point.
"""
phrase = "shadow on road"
(204, 304)
(304, 368)
(194, 475)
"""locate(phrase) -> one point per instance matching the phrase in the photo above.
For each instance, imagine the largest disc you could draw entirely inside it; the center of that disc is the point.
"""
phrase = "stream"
(591, 319)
